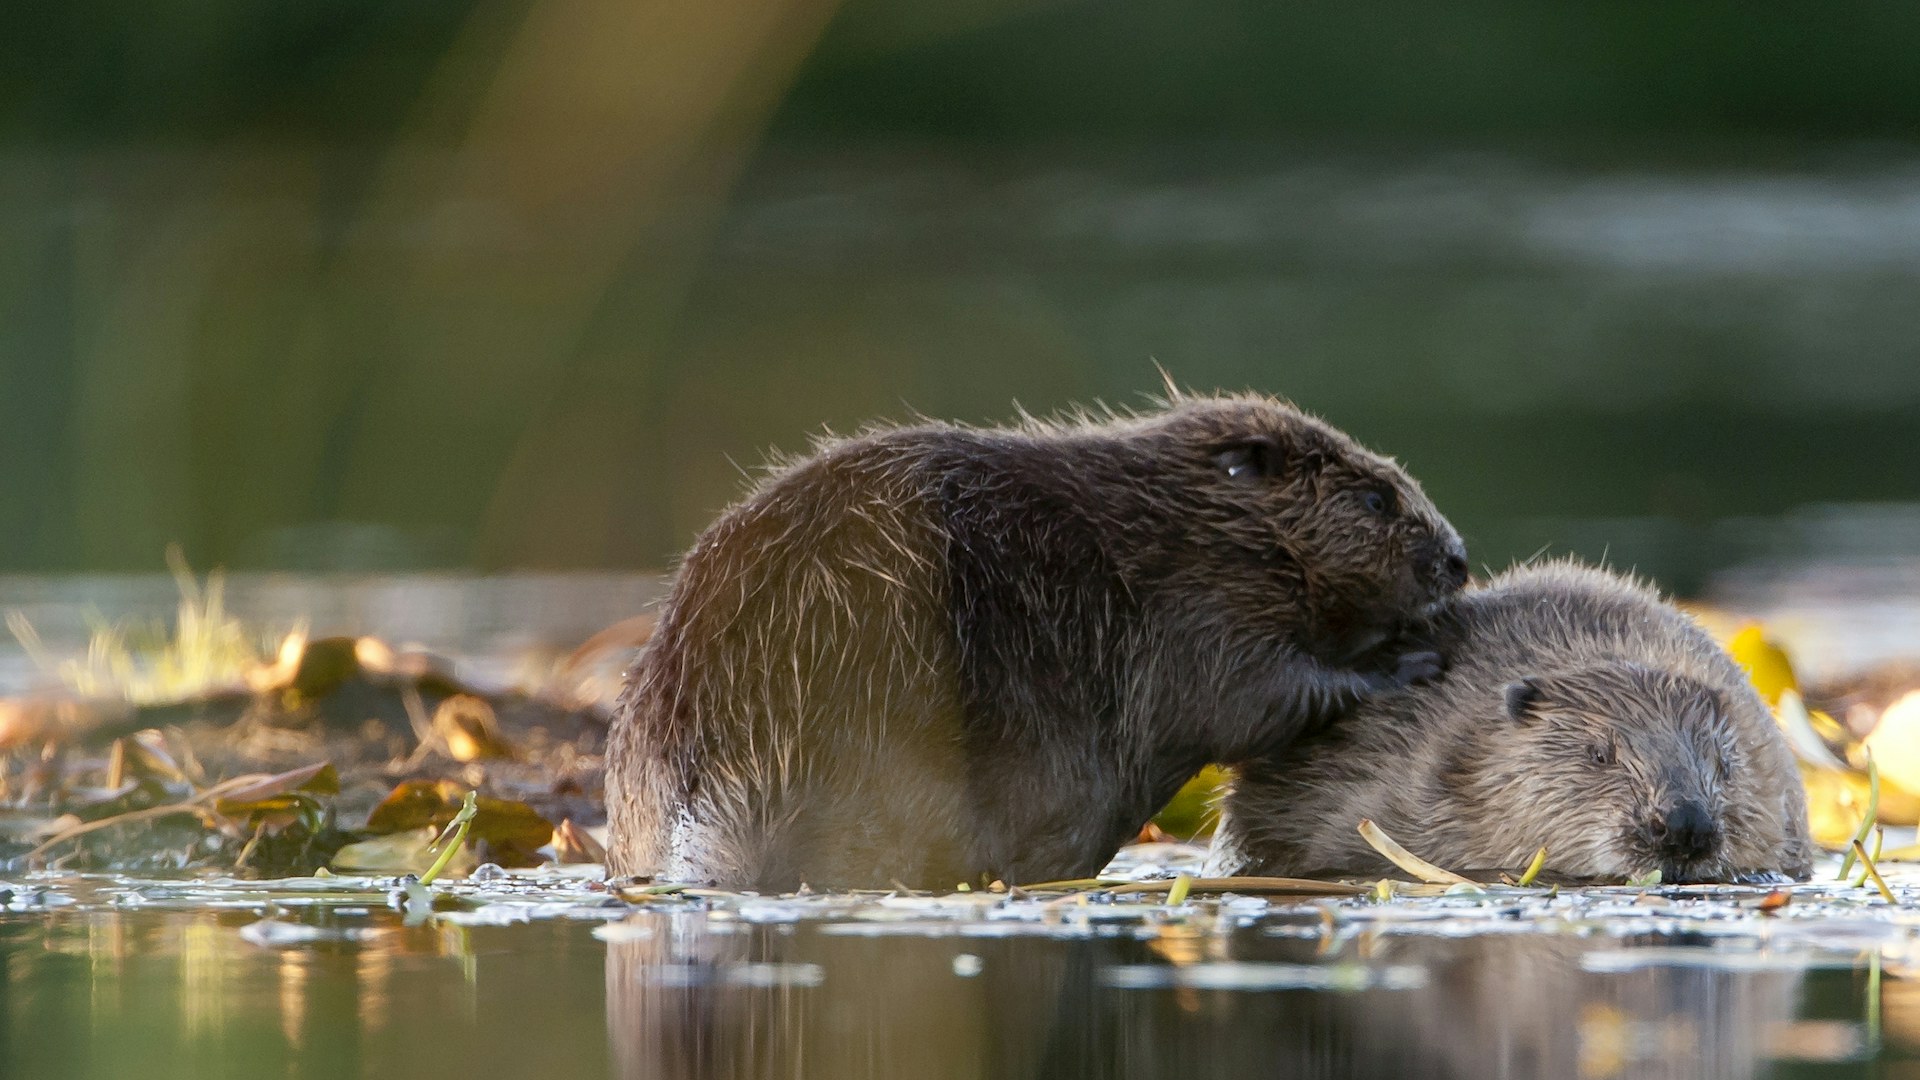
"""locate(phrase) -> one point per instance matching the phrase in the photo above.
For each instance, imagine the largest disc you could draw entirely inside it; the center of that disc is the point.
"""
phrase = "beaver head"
(1619, 769)
(1274, 502)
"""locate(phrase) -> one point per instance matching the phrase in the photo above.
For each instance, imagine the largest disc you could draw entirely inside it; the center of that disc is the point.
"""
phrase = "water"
(113, 977)
(550, 975)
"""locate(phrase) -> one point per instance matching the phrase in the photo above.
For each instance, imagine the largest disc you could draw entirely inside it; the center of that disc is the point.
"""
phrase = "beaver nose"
(1450, 565)
(1688, 832)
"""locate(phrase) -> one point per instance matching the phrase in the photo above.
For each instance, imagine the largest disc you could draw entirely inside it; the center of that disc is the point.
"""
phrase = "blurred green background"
(336, 284)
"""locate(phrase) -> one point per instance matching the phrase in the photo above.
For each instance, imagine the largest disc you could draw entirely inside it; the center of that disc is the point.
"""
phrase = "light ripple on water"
(1250, 975)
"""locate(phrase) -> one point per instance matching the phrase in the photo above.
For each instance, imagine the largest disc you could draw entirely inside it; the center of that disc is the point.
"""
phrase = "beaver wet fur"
(1578, 712)
(936, 654)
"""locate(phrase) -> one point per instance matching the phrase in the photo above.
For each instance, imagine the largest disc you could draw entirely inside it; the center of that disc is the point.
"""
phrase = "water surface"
(113, 977)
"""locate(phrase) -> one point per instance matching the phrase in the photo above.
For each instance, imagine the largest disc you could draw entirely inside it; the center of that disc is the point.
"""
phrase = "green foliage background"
(343, 284)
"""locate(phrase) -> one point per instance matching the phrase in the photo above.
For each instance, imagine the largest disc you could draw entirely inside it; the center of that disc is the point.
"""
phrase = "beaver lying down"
(935, 654)
(1578, 712)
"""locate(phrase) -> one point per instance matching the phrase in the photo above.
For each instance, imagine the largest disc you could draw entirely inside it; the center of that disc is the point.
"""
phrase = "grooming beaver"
(934, 654)
(1578, 711)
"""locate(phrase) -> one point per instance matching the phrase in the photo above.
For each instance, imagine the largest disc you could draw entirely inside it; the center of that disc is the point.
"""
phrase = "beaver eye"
(1377, 501)
(1601, 753)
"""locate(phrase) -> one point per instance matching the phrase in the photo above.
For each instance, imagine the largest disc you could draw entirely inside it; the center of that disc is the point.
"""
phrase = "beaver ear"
(1523, 699)
(1254, 459)
(1721, 705)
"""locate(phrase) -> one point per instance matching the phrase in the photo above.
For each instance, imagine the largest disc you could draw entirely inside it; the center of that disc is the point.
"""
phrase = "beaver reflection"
(689, 1003)
(727, 1001)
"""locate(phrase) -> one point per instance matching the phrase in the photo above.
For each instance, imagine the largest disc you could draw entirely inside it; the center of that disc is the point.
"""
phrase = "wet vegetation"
(206, 744)
(209, 745)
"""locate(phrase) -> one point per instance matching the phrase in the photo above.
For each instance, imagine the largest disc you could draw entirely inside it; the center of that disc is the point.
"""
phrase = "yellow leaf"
(1895, 742)
(1766, 663)
(1190, 813)
(1836, 799)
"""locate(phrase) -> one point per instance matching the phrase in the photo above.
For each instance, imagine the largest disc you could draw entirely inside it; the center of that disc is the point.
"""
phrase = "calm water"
(119, 978)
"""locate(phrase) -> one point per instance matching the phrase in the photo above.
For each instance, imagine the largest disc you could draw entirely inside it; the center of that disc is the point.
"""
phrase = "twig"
(186, 807)
(425, 740)
(1295, 886)
(1879, 839)
(1073, 883)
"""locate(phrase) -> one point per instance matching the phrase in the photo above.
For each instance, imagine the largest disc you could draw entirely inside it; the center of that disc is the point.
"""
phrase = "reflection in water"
(686, 1002)
(306, 983)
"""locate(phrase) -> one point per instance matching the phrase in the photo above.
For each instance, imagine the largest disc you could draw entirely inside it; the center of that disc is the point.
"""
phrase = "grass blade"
(1178, 894)
(1388, 847)
(1533, 868)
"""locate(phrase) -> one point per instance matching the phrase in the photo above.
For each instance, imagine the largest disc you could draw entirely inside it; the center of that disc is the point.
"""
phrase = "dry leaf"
(319, 779)
(511, 831)
(573, 844)
(469, 729)
(279, 674)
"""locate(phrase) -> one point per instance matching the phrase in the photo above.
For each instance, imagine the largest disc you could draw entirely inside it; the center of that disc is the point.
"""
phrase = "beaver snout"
(1684, 839)
(1446, 559)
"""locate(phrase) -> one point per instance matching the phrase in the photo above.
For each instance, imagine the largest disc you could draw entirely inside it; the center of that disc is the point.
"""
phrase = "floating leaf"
(408, 852)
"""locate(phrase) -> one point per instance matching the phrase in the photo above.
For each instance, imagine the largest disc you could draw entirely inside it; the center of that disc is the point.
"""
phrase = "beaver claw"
(1414, 668)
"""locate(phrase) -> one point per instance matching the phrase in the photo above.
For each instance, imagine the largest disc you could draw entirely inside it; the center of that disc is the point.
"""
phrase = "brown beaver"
(1578, 712)
(934, 654)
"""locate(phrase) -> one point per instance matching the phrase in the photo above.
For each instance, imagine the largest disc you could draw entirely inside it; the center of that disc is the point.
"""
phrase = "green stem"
(458, 827)
(1181, 886)
(1867, 820)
